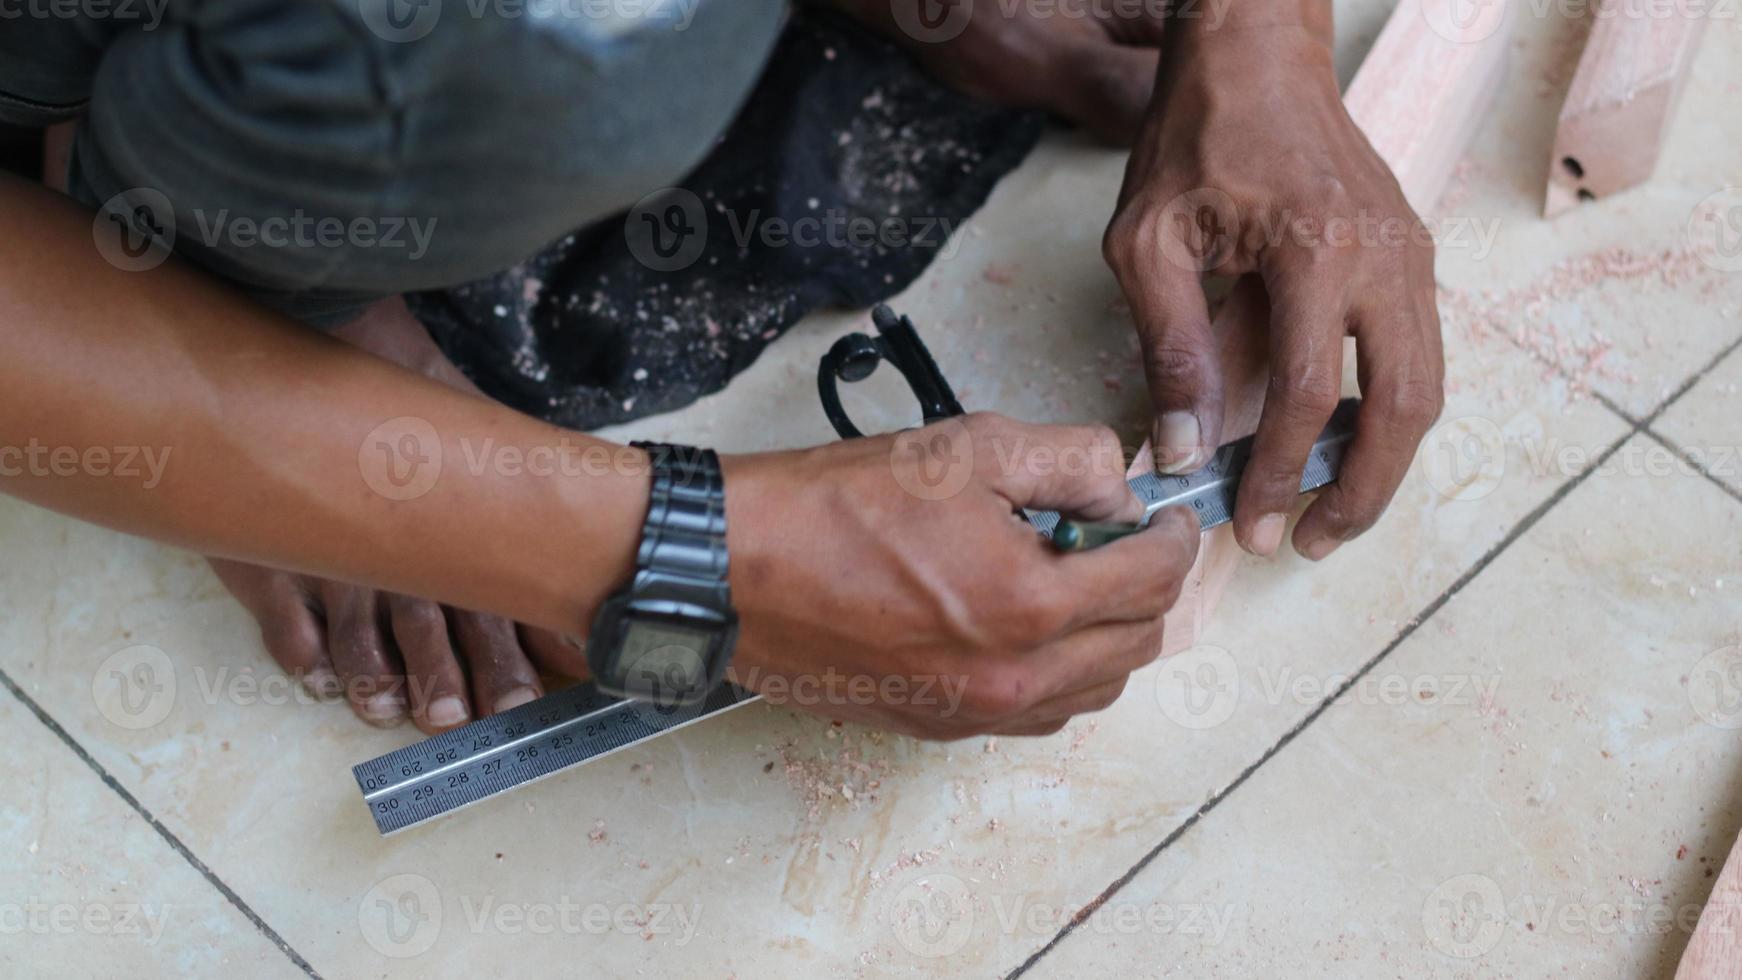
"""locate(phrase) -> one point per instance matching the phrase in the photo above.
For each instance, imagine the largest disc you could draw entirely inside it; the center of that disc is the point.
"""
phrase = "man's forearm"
(270, 443)
(1197, 20)
(1225, 45)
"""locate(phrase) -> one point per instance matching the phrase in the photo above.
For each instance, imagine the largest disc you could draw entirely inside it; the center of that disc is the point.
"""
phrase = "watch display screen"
(662, 661)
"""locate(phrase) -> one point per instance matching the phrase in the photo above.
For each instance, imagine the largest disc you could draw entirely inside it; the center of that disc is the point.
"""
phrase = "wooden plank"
(1623, 96)
(1422, 92)
(1715, 952)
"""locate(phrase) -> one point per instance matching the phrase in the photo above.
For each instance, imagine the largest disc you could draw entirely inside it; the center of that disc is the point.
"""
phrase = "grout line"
(168, 835)
(1686, 386)
(1609, 403)
(1636, 426)
(1700, 468)
(1646, 426)
(1616, 409)
(1518, 530)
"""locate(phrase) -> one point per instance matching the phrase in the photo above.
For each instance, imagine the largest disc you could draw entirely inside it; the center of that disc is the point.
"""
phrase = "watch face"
(664, 663)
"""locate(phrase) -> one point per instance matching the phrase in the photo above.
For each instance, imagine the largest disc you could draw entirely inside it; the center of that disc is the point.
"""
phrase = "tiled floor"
(1473, 744)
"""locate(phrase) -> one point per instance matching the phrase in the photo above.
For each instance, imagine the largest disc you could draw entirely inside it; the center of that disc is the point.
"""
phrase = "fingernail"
(447, 711)
(1321, 549)
(1267, 535)
(515, 698)
(386, 706)
(322, 683)
(1178, 443)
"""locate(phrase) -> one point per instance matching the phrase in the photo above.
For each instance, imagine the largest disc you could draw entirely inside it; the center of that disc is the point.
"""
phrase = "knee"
(535, 126)
(493, 134)
(46, 64)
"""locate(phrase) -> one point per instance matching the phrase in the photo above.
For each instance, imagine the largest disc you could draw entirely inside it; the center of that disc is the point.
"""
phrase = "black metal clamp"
(855, 357)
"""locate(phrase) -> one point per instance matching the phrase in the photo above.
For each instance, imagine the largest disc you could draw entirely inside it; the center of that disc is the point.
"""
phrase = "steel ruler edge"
(472, 763)
(1210, 492)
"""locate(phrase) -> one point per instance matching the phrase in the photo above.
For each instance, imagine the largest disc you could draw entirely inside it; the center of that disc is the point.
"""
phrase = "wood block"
(1715, 952)
(1419, 97)
(1618, 110)
(1426, 86)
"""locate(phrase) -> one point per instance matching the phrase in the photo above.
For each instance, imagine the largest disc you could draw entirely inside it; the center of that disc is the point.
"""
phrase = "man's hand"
(888, 580)
(1249, 163)
(1091, 64)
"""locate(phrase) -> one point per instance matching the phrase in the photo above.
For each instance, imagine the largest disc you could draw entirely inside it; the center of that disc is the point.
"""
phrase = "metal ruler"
(463, 766)
(457, 768)
(1210, 492)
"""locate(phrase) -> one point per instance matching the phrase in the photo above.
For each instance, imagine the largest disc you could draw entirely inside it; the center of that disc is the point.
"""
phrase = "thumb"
(1076, 470)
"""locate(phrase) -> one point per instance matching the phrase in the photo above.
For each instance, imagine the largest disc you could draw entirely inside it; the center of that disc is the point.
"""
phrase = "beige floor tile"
(1628, 296)
(89, 889)
(1706, 423)
(756, 861)
(1539, 782)
(743, 824)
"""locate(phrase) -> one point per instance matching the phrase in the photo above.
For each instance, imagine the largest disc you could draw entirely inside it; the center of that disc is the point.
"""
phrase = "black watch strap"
(683, 541)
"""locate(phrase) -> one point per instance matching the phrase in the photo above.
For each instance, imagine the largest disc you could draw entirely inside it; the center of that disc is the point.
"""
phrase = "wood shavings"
(1458, 189)
(1082, 736)
(906, 862)
(1528, 316)
(846, 777)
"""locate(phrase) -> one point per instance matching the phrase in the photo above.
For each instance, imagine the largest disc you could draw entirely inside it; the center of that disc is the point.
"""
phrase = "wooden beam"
(1715, 952)
(1618, 110)
(1422, 92)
